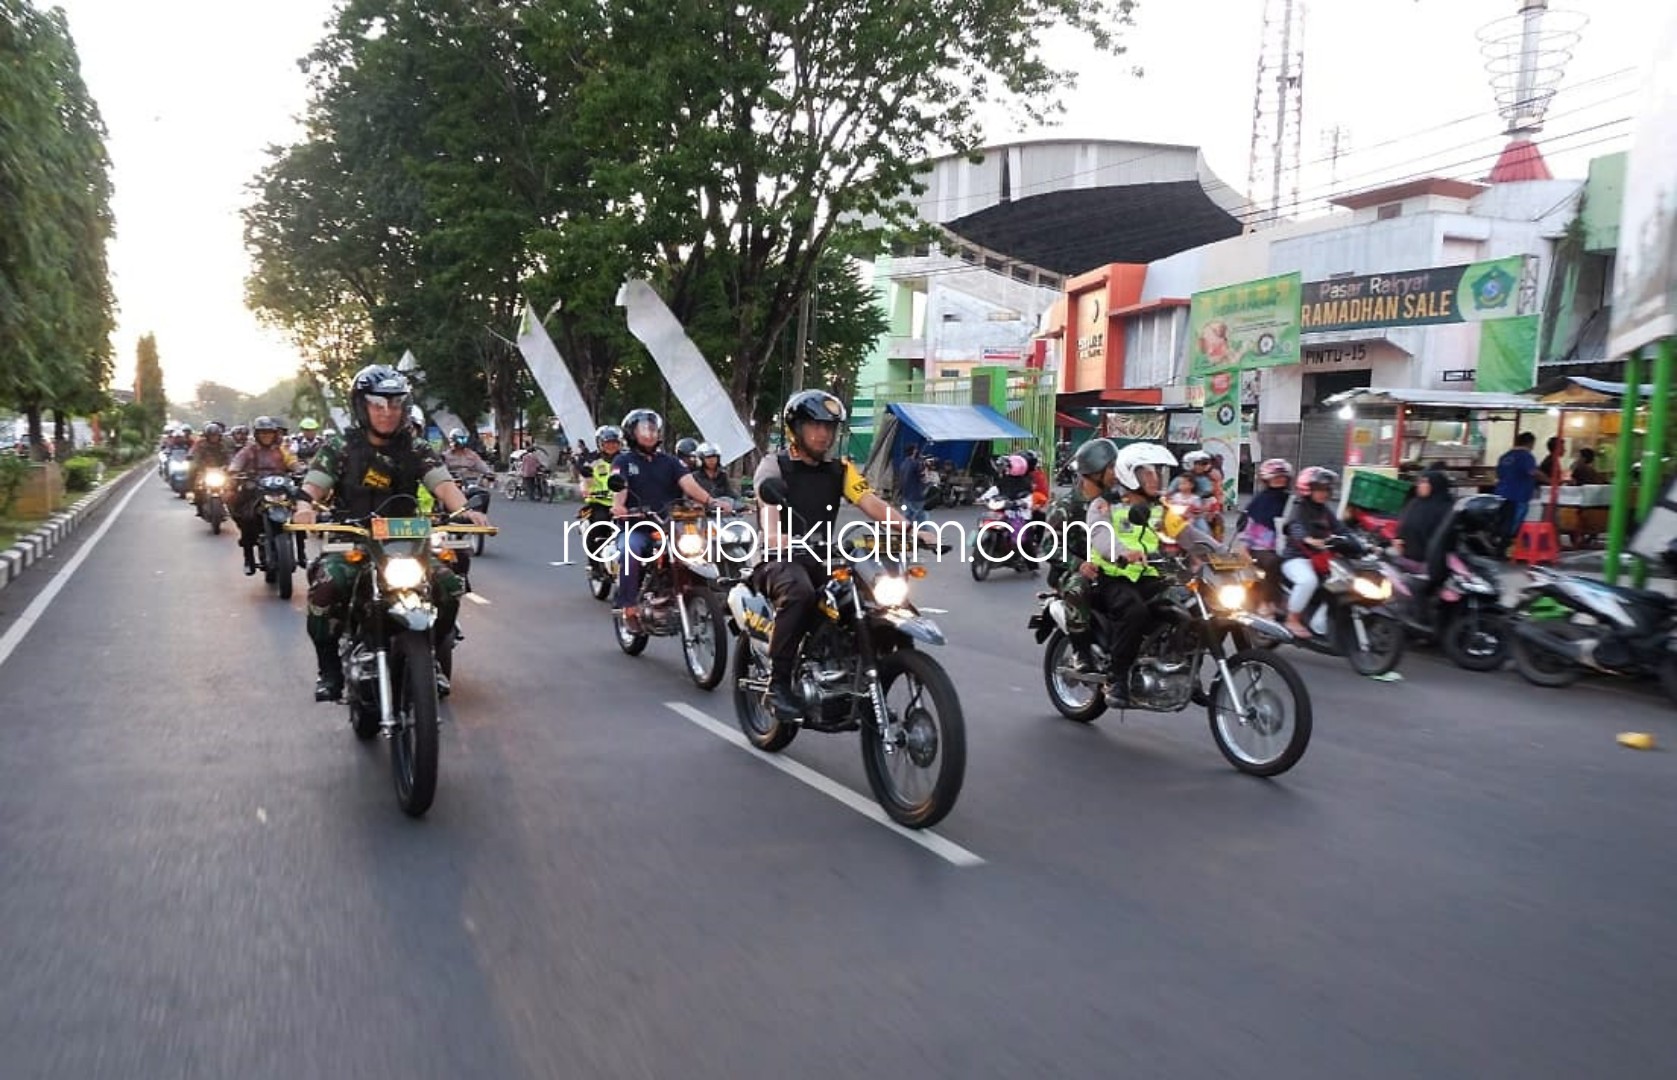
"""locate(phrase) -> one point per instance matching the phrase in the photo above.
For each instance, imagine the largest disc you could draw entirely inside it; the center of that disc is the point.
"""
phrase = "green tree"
(149, 394)
(55, 298)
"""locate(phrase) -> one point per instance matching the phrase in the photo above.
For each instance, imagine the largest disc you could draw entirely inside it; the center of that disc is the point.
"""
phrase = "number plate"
(417, 528)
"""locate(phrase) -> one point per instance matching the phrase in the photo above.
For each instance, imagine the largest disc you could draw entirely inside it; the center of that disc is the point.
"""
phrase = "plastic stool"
(1536, 542)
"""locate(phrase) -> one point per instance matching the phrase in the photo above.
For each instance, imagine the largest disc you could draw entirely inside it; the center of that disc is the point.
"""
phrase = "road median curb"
(36, 544)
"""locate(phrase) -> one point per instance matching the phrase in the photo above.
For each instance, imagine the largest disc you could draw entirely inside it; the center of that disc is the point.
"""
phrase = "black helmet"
(1094, 456)
(1477, 513)
(806, 405)
(240, 432)
(1031, 460)
(607, 433)
(687, 447)
(212, 430)
(638, 417)
(376, 379)
(265, 423)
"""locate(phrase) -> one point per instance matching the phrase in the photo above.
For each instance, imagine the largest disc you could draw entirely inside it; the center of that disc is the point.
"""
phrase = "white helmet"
(1135, 456)
(1195, 457)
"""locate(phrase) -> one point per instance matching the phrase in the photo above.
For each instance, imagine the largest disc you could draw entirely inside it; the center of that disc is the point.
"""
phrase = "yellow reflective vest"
(597, 491)
(1136, 537)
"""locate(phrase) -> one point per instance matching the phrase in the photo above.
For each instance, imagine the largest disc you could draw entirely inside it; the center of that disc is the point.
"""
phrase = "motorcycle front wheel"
(632, 644)
(281, 564)
(1276, 731)
(1539, 666)
(599, 582)
(1475, 640)
(414, 746)
(1075, 700)
(1386, 642)
(707, 652)
(766, 731)
(917, 776)
(215, 514)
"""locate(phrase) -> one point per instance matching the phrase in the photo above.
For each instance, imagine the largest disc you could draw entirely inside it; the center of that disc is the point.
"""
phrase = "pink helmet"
(1016, 465)
(1274, 467)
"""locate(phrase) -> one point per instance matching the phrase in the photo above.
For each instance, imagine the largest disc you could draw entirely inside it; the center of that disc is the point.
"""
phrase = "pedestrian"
(911, 485)
(1516, 482)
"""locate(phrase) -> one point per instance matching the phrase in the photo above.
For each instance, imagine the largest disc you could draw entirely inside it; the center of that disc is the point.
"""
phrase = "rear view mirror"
(1140, 514)
(617, 483)
(773, 491)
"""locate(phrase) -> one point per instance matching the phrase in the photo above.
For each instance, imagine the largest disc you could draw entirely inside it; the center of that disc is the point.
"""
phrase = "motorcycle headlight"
(1369, 589)
(403, 572)
(215, 478)
(890, 591)
(690, 545)
(1231, 597)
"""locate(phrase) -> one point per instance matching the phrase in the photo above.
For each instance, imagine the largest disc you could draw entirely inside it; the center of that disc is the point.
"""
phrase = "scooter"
(1347, 616)
(1001, 539)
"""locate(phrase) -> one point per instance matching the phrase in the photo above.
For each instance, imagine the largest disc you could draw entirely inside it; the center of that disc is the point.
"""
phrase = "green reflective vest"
(1143, 538)
(597, 491)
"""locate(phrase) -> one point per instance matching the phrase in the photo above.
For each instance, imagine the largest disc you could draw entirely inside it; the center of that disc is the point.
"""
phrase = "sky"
(194, 91)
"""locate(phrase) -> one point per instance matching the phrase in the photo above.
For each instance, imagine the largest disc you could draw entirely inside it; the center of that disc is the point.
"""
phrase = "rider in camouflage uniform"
(1071, 542)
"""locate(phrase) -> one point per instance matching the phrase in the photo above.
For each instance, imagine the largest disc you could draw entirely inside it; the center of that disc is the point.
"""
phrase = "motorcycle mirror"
(773, 491)
(617, 483)
(1140, 514)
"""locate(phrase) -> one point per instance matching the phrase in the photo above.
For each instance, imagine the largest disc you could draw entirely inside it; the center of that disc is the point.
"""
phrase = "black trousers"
(794, 588)
(1124, 602)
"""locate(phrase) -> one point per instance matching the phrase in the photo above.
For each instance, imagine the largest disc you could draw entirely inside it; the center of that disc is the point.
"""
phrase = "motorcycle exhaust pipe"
(1580, 652)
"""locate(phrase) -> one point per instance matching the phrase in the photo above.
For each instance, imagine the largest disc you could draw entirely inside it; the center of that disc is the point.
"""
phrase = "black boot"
(250, 561)
(1083, 653)
(783, 700)
(330, 685)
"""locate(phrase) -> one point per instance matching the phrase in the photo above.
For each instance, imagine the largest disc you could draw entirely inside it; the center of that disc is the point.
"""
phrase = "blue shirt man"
(1516, 481)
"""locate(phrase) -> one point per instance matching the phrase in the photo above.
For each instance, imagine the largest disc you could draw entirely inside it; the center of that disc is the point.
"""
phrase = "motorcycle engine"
(1161, 686)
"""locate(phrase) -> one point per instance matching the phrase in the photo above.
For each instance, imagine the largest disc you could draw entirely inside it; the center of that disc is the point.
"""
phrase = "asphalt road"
(206, 875)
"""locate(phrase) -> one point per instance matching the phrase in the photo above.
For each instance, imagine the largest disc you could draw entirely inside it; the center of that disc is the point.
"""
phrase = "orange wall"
(1094, 343)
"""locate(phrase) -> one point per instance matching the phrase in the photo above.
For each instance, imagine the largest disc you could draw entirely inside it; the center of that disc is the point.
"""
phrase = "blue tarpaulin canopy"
(957, 423)
(950, 432)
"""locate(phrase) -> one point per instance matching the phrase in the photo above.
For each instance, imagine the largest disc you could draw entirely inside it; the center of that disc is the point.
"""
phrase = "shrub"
(81, 473)
(12, 471)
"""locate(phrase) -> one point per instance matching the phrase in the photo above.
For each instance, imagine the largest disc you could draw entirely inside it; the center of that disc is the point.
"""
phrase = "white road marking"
(476, 599)
(944, 849)
(37, 607)
(262, 815)
(566, 562)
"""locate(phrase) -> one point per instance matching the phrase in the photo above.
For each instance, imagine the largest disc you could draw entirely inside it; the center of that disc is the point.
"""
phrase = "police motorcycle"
(1204, 646)
(277, 554)
(478, 490)
(1566, 626)
(1455, 599)
(677, 598)
(864, 645)
(1001, 540)
(602, 554)
(211, 496)
(389, 659)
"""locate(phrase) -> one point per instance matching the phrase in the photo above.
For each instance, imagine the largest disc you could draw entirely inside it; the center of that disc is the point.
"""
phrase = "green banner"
(1495, 289)
(1220, 426)
(1508, 355)
(1253, 324)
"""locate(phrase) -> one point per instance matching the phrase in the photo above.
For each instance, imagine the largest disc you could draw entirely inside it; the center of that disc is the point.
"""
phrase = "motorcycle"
(1204, 647)
(600, 552)
(864, 645)
(277, 555)
(1464, 613)
(478, 491)
(1001, 540)
(1565, 625)
(211, 496)
(387, 652)
(1347, 615)
(178, 472)
(676, 596)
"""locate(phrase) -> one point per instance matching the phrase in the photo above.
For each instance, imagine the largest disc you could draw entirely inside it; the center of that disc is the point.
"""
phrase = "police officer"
(1118, 553)
(816, 486)
(208, 452)
(364, 471)
(709, 474)
(1067, 519)
(596, 490)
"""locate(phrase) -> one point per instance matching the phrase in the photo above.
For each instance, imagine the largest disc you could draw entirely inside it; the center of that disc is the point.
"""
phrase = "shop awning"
(1566, 388)
(1061, 420)
(1438, 399)
(957, 423)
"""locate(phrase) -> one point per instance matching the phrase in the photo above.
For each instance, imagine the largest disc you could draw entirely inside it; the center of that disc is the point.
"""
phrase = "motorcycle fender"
(279, 515)
(705, 570)
(413, 613)
(917, 627)
(1261, 626)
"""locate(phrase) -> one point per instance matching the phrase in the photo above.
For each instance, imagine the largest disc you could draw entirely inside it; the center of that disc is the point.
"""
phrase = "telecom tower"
(1272, 176)
(1526, 55)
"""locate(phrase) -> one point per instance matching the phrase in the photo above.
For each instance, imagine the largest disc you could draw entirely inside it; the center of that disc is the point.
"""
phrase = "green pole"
(1653, 447)
(1618, 515)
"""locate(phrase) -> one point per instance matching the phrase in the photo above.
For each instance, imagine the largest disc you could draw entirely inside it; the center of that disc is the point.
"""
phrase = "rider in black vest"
(792, 574)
